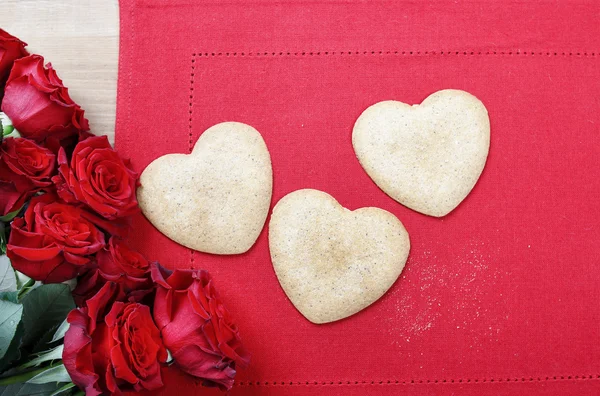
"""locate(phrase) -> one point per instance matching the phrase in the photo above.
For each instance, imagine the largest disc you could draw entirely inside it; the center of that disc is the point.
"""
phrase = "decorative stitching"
(417, 382)
(381, 382)
(190, 134)
(421, 53)
(191, 103)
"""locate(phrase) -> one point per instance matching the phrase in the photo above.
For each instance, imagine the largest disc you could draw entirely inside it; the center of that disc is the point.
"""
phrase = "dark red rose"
(38, 103)
(110, 349)
(97, 177)
(119, 264)
(25, 168)
(11, 49)
(26, 164)
(54, 241)
(196, 328)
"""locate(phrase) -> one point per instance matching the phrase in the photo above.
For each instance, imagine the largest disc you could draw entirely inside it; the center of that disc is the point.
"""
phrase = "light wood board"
(81, 40)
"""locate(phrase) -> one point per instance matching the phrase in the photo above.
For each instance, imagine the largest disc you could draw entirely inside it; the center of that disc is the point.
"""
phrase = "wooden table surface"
(81, 40)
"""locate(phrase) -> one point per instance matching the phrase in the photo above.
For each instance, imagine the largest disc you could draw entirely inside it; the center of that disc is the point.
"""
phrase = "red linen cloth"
(499, 297)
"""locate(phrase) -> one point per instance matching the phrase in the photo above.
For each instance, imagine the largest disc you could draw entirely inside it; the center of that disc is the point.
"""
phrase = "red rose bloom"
(26, 164)
(98, 178)
(196, 328)
(111, 349)
(119, 264)
(38, 103)
(25, 168)
(11, 49)
(53, 242)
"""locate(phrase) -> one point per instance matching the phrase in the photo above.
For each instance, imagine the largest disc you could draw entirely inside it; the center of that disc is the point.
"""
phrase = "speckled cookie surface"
(428, 157)
(217, 198)
(330, 261)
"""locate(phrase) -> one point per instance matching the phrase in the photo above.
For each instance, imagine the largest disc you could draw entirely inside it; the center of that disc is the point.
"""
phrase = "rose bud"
(113, 348)
(97, 177)
(196, 328)
(38, 103)
(54, 241)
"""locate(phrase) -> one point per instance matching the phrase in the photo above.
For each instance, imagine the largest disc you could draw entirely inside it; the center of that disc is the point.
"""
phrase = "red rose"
(196, 328)
(25, 168)
(119, 264)
(98, 178)
(26, 164)
(53, 242)
(111, 349)
(11, 49)
(38, 103)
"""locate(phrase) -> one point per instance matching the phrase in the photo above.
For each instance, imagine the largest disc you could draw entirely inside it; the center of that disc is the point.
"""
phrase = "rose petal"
(77, 353)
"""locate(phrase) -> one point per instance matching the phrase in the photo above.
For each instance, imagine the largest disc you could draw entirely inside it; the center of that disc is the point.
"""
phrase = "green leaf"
(14, 350)
(7, 130)
(25, 284)
(9, 216)
(10, 316)
(8, 280)
(12, 297)
(46, 356)
(6, 126)
(72, 283)
(17, 375)
(63, 389)
(3, 238)
(54, 374)
(24, 389)
(23, 280)
(61, 331)
(43, 308)
(44, 342)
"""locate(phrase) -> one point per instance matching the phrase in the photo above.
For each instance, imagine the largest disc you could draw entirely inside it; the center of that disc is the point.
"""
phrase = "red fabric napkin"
(502, 295)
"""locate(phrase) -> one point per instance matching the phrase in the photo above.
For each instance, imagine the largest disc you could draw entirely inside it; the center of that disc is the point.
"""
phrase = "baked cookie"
(217, 198)
(428, 157)
(330, 261)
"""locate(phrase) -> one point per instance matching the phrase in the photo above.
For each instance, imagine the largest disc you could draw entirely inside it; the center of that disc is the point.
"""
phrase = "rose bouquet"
(80, 310)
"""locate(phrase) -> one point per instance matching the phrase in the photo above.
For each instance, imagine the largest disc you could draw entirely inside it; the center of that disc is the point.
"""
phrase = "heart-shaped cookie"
(330, 261)
(217, 198)
(428, 157)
